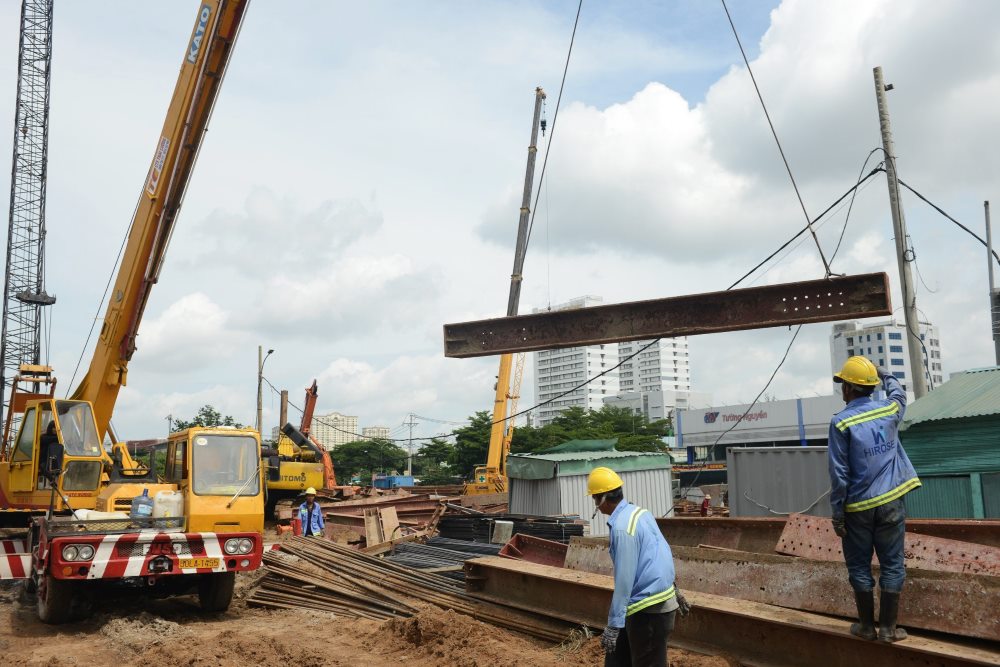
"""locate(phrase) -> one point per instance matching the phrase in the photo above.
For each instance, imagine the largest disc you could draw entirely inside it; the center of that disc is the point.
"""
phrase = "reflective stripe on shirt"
(887, 497)
(871, 415)
(650, 601)
(634, 519)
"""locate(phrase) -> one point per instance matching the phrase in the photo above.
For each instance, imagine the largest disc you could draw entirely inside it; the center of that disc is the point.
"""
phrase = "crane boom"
(202, 70)
(492, 478)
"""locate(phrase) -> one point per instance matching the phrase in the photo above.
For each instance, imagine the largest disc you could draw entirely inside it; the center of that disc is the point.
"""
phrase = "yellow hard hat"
(311, 491)
(859, 371)
(602, 480)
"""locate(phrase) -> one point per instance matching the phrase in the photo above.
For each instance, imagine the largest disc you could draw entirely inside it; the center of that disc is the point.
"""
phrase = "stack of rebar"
(320, 575)
(440, 555)
(480, 528)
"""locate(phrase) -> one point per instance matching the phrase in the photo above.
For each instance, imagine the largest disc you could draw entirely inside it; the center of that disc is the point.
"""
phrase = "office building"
(560, 371)
(372, 432)
(885, 344)
(334, 429)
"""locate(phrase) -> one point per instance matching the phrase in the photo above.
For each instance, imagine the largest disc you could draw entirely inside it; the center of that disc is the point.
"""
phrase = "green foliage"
(472, 443)
(633, 432)
(361, 458)
(207, 416)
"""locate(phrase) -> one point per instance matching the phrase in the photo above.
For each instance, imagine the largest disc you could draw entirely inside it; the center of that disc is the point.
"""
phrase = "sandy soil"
(174, 632)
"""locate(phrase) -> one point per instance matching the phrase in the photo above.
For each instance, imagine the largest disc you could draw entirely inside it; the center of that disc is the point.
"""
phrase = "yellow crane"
(212, 486)
(492, 477)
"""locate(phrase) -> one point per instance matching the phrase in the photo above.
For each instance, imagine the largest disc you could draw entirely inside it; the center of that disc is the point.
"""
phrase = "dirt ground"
(174, 632)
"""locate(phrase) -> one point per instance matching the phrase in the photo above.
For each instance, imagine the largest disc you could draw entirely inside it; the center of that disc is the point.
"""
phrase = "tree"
(435, 453)
(207, 416)
(361, 458)
(472, 444)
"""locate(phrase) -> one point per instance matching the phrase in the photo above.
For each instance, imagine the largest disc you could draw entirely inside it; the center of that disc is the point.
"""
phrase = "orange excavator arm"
(329, 475)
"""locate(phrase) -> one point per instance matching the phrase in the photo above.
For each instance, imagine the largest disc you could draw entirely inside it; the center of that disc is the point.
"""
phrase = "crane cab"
(57, 444)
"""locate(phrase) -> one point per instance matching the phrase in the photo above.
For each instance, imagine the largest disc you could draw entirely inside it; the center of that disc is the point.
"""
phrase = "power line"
(848, 216)
(777, 141)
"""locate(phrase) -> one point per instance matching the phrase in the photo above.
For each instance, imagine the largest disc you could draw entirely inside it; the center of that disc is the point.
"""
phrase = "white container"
(168, 504)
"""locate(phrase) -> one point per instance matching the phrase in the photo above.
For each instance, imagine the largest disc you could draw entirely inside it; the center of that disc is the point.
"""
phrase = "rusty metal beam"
(813, 537)
(754, 633)
(761, 534)
(933, 600)
(714, 312)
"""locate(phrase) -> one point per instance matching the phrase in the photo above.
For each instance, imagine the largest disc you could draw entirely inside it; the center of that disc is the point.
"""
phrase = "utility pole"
(904, 254)
(283, 415)
(411, 422)
(261, 358)
(994, 292)
(170, 424)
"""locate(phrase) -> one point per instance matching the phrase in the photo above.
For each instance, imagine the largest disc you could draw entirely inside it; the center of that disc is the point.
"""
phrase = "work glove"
(609, 639)
(683, 607)
(840, 527)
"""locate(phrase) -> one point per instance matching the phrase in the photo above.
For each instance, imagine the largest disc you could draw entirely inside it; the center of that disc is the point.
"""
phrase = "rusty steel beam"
(813, 537)
(761, 534)
(942, 602)
(754, 633)
(807, 302)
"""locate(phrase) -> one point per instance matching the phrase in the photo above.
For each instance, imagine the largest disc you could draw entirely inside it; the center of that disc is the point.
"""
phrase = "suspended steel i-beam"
(840, 298)
(24, 293)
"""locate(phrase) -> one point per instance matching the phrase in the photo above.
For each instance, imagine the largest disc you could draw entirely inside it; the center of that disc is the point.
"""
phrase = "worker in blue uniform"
(869, 475)
(311, 515)
(645, 601)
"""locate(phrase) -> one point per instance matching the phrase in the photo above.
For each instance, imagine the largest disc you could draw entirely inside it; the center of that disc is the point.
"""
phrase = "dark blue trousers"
(881, 529)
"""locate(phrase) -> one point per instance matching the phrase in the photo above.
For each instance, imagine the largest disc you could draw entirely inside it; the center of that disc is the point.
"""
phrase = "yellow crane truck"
(65, 498)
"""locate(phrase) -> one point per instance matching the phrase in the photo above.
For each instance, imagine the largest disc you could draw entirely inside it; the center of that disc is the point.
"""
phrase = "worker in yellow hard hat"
(869, 475)
(311, 515)
(645, 600)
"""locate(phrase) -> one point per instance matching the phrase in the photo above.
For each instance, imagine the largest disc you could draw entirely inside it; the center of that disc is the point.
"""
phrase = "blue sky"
(360, 182)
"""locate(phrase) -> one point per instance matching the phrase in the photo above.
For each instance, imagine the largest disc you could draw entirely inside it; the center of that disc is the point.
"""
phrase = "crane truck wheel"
(55, 600)
(215, 591)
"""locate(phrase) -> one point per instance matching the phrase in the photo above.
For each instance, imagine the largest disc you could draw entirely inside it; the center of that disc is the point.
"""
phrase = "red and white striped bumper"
(14, 562)
(153, 554)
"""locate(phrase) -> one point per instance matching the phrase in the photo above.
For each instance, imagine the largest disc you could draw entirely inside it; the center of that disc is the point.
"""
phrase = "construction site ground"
(135, 631)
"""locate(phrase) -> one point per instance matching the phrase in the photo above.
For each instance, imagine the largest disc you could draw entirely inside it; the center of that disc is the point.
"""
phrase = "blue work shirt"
(868, 466)
(644, 566)
(317, 519)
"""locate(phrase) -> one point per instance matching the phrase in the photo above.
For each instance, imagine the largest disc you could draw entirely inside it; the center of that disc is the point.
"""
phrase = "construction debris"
(318, 575)
(440, 555)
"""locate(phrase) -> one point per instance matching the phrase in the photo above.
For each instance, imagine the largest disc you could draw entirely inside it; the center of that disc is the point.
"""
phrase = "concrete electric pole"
(411, 422)
(904, 254)
(994, 292)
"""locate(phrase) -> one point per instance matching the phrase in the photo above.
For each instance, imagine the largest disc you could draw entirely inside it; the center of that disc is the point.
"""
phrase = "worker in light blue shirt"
(869, 475)
(311, 515)
(644, 603)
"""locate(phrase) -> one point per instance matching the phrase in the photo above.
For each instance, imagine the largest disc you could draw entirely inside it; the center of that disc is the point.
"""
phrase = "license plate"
(197, 562)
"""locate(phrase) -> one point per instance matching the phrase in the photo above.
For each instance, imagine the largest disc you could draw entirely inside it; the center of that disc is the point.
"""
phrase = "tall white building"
(334, 429)
(557, 371)
(663, 366)
(884, 343)
(372, 432)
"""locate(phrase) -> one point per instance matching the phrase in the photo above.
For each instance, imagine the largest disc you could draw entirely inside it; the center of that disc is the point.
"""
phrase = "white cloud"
(191, 331)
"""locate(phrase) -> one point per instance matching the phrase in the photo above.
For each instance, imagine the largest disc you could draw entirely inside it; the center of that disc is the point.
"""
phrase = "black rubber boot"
(888, 612)
(865, 628)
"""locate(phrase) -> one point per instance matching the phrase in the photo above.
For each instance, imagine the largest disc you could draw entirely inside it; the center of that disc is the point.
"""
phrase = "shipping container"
(771, 481)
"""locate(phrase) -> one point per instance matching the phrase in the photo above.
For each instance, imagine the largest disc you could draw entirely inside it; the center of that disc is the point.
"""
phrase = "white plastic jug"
(168, 504)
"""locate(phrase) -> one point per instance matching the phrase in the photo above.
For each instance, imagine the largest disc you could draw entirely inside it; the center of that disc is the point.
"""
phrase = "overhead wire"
(851, 206)
(774, 132)
(552, 130)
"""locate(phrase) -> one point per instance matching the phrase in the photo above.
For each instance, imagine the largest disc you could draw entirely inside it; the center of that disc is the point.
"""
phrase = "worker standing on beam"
(643, 607)
(869, 475)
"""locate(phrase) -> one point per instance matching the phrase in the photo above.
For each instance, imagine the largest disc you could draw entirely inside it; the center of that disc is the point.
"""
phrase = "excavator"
(89, 512)
(298, 461)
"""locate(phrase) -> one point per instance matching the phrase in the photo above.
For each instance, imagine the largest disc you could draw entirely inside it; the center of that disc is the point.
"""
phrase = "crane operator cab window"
(77, 433)
(224, 465)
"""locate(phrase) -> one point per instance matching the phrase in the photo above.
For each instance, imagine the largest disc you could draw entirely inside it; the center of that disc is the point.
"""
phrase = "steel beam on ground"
(761, 534)
(755, 633)
(841, 298)
(813, 537)
(932, 600)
